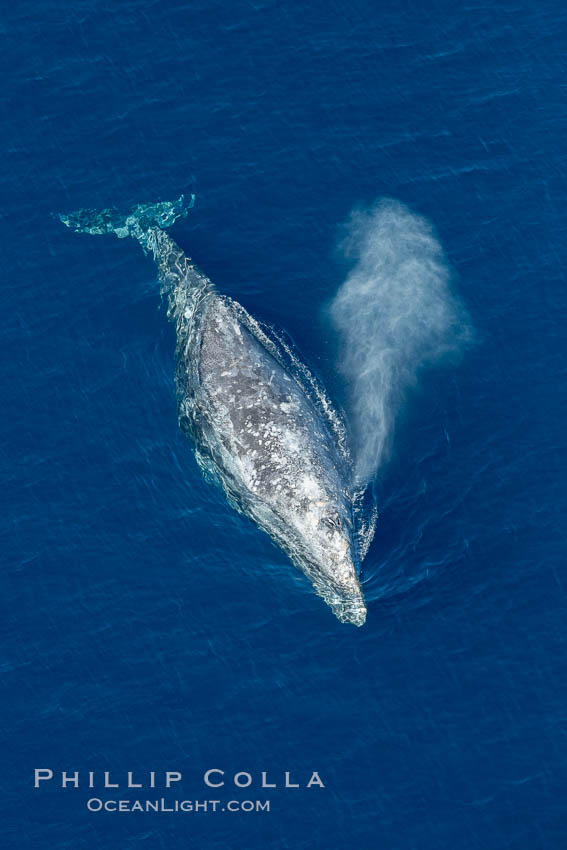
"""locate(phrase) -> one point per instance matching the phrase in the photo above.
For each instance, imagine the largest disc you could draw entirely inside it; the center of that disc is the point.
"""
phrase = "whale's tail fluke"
(136, 223)
(146, 223)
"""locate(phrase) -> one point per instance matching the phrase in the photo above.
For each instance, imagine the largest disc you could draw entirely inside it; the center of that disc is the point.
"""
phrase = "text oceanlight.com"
(95, 804)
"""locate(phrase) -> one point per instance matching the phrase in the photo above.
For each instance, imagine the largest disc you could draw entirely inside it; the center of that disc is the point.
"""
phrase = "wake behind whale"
(261, 424)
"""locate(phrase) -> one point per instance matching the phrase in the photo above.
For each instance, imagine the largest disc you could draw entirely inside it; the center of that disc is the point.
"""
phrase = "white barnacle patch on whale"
(287, 406)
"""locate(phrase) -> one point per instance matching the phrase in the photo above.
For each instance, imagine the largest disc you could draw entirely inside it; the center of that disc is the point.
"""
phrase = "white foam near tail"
(395, 313)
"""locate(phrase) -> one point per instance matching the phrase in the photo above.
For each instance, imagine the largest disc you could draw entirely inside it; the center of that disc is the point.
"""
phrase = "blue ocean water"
(147, 626)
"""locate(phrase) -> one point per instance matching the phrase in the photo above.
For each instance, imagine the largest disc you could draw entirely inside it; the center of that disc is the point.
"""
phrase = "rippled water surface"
(147, 626)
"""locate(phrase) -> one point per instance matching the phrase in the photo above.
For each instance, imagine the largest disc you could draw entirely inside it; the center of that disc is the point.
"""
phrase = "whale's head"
(330, 559)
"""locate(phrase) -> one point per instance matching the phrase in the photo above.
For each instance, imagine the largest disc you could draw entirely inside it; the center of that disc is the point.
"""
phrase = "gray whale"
(258, 430)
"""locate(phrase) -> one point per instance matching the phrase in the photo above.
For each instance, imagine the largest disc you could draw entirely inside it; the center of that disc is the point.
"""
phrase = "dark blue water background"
(146, 625)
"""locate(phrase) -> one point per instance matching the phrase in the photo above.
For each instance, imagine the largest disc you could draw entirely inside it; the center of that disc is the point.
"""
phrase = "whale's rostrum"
(259, 431)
